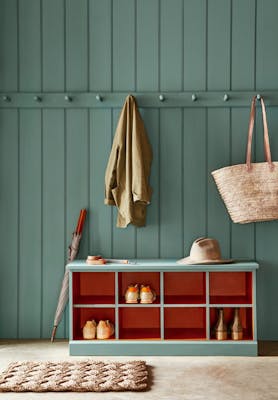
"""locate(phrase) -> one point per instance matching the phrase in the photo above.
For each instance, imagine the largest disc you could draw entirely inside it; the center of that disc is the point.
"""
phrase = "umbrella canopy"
(64, 292)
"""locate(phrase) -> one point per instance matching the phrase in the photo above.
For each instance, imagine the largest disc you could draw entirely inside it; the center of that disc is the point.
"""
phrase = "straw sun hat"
(204, 251)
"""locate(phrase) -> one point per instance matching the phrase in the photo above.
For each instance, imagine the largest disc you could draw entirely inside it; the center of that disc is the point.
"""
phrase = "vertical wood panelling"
(29, 62)
(242, 241)
(171, 228)
(194, 175)
(218, 53)
(77, 179)
(76, 45)
(77, 172)
(9, 223)
(53, 69)
(123, 245)
(8, 48)
(30, 237)
(266, 243)
(100, 216)
(171, 43)
(53, 161)
(218, 156)
(147, 45)
(124, 45)
(243, 54)
(53, 240)
(267, 50)
(243, 44)
(53, 45)
(195, 26)
(148, 237)
(266, 254)
(100, 44)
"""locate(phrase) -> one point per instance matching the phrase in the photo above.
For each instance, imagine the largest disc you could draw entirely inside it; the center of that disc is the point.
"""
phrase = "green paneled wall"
(52, 160)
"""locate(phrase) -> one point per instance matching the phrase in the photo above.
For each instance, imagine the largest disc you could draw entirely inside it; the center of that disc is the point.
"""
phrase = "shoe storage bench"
(181, 319)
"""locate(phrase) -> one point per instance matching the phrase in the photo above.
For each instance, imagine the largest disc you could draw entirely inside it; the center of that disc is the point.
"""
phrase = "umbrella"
(64, 292)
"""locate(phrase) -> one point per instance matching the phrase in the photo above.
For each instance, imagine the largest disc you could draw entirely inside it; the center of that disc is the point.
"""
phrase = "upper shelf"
(161, 265)
(144, 99)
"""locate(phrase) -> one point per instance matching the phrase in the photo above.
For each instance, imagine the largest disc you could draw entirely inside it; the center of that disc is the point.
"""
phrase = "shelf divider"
(162, 305)
(116, 305)
(207, 307)
(254, 306)
(70, 306)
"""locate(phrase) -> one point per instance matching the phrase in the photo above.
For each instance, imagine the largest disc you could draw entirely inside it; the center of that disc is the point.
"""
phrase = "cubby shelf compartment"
(185, 323)
(81, 315)
(184, 287)
(181, 319)
(139, 323)
(230, 287)
(93, 288)
(141, 278)
(246, 318)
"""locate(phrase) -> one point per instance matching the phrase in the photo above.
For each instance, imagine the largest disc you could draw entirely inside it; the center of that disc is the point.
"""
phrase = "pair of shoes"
(102, 330)
(144, 295)
(221, 330)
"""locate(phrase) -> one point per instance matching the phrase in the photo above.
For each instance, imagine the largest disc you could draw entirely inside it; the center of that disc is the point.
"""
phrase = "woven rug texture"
(78, 376)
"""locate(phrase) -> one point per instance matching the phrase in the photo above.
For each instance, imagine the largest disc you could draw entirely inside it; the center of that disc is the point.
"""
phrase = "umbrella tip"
(53, 333)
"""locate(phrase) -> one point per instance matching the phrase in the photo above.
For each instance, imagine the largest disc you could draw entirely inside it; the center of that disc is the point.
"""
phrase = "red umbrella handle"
(81, 221)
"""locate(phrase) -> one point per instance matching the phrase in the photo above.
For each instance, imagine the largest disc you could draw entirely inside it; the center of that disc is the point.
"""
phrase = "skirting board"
(159, 348)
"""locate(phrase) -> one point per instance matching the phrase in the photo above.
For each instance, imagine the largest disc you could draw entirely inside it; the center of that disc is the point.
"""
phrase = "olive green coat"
(128, 169)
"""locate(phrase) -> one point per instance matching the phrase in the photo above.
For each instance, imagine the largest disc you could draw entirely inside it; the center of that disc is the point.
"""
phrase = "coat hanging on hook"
(127, 173)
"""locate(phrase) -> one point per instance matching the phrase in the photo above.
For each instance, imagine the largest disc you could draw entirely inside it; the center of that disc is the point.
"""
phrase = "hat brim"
(189, 261)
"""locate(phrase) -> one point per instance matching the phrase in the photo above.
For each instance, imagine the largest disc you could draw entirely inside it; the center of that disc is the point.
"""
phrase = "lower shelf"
(162, 348)
(185, 334)
(140, 334)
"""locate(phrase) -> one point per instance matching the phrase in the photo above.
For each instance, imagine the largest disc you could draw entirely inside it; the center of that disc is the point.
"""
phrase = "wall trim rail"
(144, 99)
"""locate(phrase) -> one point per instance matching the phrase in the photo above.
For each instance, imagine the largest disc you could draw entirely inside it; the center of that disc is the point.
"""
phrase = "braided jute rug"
(78, 376)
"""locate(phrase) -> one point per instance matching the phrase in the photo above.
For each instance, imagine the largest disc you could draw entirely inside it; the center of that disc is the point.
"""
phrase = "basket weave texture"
(249, 196)
(250, 190)
(79, 376)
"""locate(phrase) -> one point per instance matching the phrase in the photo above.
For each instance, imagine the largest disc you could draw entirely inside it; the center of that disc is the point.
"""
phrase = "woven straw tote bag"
(250, 191)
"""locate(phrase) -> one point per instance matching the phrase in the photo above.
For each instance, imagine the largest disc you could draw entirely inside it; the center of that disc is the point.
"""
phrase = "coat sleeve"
(111, 176)
(141, 161)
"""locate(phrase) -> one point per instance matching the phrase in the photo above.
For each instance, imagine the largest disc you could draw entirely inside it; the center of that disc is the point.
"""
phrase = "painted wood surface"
(219, 44)
(53, 45)
(242, 48)
(8, 48)
(76, 45)
(161, 264)
(123, 45)
(30, 224)
(195, 20)
(29, 46)
(171, 41)
(53, 161)
(9, 221)
(53, 214)
(147, 45)
(267, 52)
(100, 46)
(172, 319)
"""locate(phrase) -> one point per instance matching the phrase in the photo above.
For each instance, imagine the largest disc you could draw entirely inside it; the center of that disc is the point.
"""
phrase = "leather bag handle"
(250, 135)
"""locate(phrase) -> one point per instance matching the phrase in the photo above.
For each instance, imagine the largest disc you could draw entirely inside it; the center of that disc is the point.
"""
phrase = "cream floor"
(173, 378)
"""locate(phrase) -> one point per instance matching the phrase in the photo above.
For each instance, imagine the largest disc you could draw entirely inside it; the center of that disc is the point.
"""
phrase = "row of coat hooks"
(69, 98)
(144, 99)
